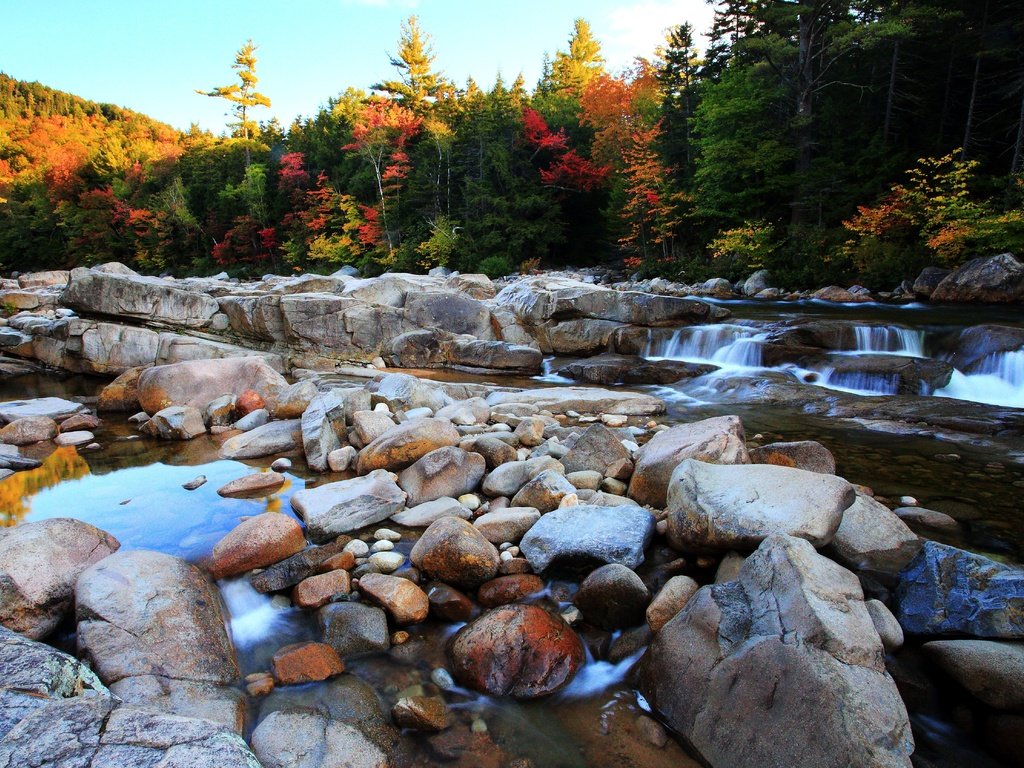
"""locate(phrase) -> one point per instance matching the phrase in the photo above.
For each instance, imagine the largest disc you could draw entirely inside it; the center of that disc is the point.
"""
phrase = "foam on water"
(253, 616)
(997, 380)
(890, 340)
(722, 344)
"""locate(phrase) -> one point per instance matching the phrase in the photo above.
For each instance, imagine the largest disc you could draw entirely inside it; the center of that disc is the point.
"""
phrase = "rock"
(81, 437)
(719, 440)
(323, 427)
(757, 282)
(584, 400)
(839, 295)
(596, 449)
(787, 644)
(509, 524)
(275, 437)
(608, 369)
(507, 479)
(449, 604)
(889, 373)
(340, 459)
(248, 402)
(353, 628)
(729, 567)
(293, 400)
(587, 480)
(466, 412)
(256, 485)
(874, 540)
(947, 591)
(670, 600)
(79, 422)
(721, 507)
(928, 281)
(444, 472)
(197, 382)
(889, 630)
(508, 589)
(928, 518)
(220, 412)
(257, 542)
(424, 514)
(305, 663)
(403, 601)
(804, 454)
(530, 431)
(387, 562)
(991, 280)
(176, 422)
(585, 534)
(316, 591)
(404, 444)
(420, 713)
(404, 392)
(516, 650)
(992, 671)
(253, 419)
(495, 452)
(39, 565)
(55, 408)
(197, 482)
(544, 492)
(294, 569)
(122, 394)
(612, 597)
(369, 425)
(453, 551)
(347, 505)
(28, 430)
(309, 739)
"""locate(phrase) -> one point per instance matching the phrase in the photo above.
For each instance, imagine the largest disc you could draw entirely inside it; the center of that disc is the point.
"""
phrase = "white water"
(725, 345)
(997, 380)
(253, 616)
(854, 382)
(890, 340)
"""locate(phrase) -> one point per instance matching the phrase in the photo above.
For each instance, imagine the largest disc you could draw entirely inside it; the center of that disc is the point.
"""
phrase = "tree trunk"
(974, 85)
(804, 111)
(945, 102)
(891, 96)
(1018, 149)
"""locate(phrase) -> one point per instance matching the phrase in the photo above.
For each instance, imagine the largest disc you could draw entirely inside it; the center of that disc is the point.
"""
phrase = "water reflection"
(17, 491)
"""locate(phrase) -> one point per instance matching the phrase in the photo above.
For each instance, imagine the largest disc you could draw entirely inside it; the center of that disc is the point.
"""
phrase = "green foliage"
(438, 249)
(495, 266)
(750, 245)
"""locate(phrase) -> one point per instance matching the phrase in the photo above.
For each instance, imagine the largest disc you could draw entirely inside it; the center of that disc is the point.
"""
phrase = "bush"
(496, 266)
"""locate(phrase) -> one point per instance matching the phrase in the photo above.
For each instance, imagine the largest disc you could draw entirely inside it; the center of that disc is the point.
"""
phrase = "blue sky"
(151, 56)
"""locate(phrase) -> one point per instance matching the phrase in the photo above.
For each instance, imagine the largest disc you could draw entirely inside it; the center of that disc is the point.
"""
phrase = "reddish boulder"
(508, 589)
(318, 590)
(305, 663)
(403, 601)
(453, 551)
(259, 541)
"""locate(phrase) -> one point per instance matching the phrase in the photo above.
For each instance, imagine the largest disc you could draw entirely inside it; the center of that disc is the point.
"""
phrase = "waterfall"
(731, 346)
(253, 616)
(889, 339)
(855, 382)
(996, 380)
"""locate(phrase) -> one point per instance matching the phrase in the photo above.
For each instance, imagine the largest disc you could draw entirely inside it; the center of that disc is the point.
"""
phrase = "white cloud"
(636, 30)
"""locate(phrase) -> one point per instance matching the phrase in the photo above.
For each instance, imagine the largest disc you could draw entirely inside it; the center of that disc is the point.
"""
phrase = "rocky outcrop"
(141, 298)
(988, 279)
(583, 400)
(609, 369)
(788, 643)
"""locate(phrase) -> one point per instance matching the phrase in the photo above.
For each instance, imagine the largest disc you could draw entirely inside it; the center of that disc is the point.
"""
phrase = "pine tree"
(417, 84)
(243, 94)
(572, 70)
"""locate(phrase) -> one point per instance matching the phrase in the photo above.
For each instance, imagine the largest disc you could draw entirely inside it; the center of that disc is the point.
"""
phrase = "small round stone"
(442, 678)
(387, 562)
(470, 501)
(386, 534)
(358, 548)
(280, 465)
(506, 556)
(382, 546)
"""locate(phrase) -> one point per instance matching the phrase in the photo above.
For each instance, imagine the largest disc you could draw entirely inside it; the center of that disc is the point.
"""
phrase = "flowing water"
(132, 488)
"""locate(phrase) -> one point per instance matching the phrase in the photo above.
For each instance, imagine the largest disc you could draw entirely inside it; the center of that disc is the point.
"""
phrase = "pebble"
(908, 501)
(400, 637)
(506, 556)
(500, 427)
(470, 501)
(280, 465)
(341, 459)
(614, 420)
(572, 414)
(569, 500)
(382, 408)
(358, 548)
(613, 486)
(478, 726)
(631, 446)
(504, 545)
(386, 534)
(74, 438)
(197, 482)
(588, 419)
(442, 678)
(572, 615)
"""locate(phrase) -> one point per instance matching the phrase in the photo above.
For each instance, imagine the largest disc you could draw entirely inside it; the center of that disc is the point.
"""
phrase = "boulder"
(176, 422)
(424, 514)
(719, 440)
(873, 540)
(39, 565)
(323, 428)
(588, 535)
(978, 347)
(947, 591)
(888, 628)
(294, 569)
(508, 478)
(255, 543)
(353, 628)
(348, 505)
(516, 650)
(612, 597)
(268, 440)
(420, 713)
(718, 507)
(892, 374)
(293, 400)
(254, 486)
(453, 551)
(803, 454)
(928, 281)
(403, 601)
(839, 295)
(302, 738)
(29, 430)
(607, 369)
(55, 408)
(449, 604)
(306, 662)
(400, 391)
(404, 444)
(318, 590)
(122, 394)
(990, 280)
(197, 382)
(495, 452)
(530, 431)
(369, 425)
(444, 472)
(597, 449)
(583, 400)
(757, 282)
(992, 671)
(788, 643)
(452, 311)
(544, 492)
(506, 525)
(508, 589)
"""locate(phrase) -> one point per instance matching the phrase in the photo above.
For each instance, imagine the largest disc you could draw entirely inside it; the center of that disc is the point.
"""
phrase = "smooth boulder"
(268, 440)
(454, 551)
(404, 444)
(444, 472)
(587, 535)
(198, 382)
(255, 543)
(336, 508)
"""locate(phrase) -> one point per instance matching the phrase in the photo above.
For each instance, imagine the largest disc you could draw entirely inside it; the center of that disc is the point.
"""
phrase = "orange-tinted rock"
(28, 430)
(517, 650)
(454, 551)
(344, 561)
(508, 589)
(420, 713)
(405, 443)
(259, 541)
(306, 663)
(252, 486)
(122, 394)
(318, 590)
(79, 422)
(259, 684)
(404, 602)
(449, 604)
(249, 401)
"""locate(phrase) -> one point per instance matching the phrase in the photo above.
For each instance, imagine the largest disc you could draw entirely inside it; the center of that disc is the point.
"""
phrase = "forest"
(825, 140)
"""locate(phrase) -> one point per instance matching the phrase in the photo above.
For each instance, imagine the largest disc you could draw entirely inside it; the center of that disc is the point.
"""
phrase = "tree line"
(827, 140)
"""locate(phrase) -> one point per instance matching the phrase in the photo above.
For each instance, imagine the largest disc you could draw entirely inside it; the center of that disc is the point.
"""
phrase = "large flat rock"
(583, 400)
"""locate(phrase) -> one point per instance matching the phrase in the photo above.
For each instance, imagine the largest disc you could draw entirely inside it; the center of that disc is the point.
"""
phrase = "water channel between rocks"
(132, 488)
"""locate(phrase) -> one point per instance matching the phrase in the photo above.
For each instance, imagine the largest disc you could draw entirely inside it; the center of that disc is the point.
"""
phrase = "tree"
(242, 94)
(417, 84)
(677, 76)
(572, 70)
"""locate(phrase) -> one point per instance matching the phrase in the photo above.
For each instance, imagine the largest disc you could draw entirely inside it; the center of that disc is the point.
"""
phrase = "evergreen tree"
(242, 94)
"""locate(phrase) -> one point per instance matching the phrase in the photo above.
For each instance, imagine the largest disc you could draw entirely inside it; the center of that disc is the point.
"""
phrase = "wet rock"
(256, 485)
(449, 604)
(122, 394)
(305, 663)
(889, 630)
(323, 426)
(583, 400)
(353, 628)
(928, 518)
(992, 671)
(896, 374)
(608, 369)
(403, 601)
(79, 422)
(369, 425)
(975, 346)
(508, 589)
(39, 565)
(928, 281)
(507, 479)
(544, 492)
(946, 591)
(612, 597)
(405, 443)
(420, 713)
(316, 591)
(444, 472)
(495, 452)
(989, 279)
(804, 454)
(257, 542)
(197, 482)
(516, 650)
(55, 408)
(347, 505)
(787, 644)
(597, 449)
(28, 430)
(670, 600)
(176, 423)
(294, 569)
(273, 438)
(509, 524)
(424, 514)
(721, 507)
(80, 437)
(310, 739)
(585, 534)
(839, 295)
(453, 551)
(196, 383)
(718, 440)
(874, 540)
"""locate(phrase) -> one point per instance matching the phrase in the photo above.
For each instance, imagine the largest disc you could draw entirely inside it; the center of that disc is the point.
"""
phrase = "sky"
(151, 56)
